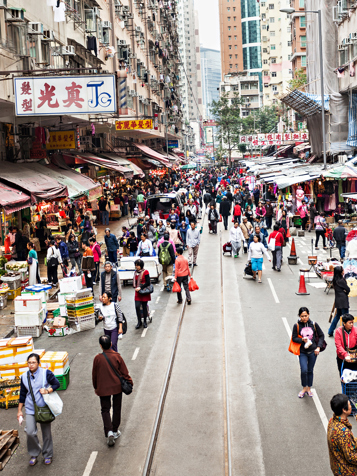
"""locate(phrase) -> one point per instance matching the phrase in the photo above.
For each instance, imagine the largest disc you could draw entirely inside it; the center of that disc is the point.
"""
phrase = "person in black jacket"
(225, 211)
(311, 338)
(75, 256)
(207, 197)
(213, 218)
(339, 234)
(342, 290)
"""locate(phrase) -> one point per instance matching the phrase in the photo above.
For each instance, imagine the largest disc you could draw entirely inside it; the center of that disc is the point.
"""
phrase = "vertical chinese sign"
(53, 95)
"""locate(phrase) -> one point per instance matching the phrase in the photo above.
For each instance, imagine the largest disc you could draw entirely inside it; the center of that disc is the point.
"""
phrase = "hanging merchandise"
(93, 129)
(92, 44)
(109, 52)
(59, 11)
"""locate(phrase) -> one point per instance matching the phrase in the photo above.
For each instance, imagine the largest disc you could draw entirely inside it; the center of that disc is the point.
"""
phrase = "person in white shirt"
(53, 259)
(145, 247)
(193, 239)
(256, 252)
(236, 237)
(112, 317)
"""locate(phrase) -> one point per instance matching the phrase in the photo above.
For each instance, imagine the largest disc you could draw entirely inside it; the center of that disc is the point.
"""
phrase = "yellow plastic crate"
(85, 312)
(73, 300)
(13, 293)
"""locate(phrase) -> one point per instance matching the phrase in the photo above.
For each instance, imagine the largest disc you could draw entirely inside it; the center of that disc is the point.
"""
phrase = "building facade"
(136, 41)
(276, 50)
(298, 36)
(211, 78)
(246, 87)
(231, 36)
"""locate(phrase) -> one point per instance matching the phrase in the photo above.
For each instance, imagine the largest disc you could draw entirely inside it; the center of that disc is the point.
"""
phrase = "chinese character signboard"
(61, 140)
(173, 144)
(274, 139)
(60, 95)
(130, 125)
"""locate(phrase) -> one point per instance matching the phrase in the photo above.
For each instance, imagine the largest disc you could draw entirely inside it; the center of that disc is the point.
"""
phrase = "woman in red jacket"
(97, 253)
(279, 240)
(141, 280)
(345, 340)
(237, 213)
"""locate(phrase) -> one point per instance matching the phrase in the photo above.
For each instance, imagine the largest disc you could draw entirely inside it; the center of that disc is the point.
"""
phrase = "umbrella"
(188, 166)
(342, 171)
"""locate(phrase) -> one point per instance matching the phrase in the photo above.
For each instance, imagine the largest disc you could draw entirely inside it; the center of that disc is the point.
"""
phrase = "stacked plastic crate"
(58, 363)
(29, 315)
(80, 310)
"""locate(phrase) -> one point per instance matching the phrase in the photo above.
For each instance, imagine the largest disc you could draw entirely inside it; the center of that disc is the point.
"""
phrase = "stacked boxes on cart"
(80, 310)
(13, 363)
(31, 310)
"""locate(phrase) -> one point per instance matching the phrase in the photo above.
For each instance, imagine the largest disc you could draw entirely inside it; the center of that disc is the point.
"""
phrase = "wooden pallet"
(9, 441)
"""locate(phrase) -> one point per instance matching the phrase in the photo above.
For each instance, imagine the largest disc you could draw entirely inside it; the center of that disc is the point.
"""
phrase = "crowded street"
(233, 385)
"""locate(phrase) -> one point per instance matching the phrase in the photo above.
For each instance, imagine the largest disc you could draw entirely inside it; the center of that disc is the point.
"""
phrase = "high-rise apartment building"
(298, 36)
(211, 78)
(231, 36)
(276, 50)
(190, 82)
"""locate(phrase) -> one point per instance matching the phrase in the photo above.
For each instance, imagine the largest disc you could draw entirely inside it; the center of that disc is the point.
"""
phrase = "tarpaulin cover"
(128, 171)
(153, 154)
(352, 124)
(13, 200)
(39, 186)
(106, 163)
(343, 171)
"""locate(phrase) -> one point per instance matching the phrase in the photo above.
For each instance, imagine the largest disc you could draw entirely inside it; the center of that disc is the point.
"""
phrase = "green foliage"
(299, 80)
(263, 121)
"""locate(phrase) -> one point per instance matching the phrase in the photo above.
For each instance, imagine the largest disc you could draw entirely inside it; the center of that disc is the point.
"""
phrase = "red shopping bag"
(220, 219)
(192, 286)
(83, 280)
(176, 288)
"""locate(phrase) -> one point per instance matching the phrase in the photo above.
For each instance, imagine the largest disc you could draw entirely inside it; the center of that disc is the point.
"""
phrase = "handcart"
(327, 276)
(350, 389)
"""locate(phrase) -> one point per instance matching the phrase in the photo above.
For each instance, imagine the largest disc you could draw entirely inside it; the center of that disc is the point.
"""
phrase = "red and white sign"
(274, 139)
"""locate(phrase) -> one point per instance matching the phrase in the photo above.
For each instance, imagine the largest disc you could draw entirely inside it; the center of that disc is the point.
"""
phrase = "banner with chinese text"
(132, 125)
(61, 140)
(61, 95)
(274, 139)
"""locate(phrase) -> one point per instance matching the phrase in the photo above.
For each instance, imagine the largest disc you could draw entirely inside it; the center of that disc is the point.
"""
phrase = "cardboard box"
(63, 311)
(15, 350)
(12, 371)
(330, 219)
(59, 322)
(70, 285)
(57, 362)
(27, 303)
(24, 319)
(58, 332)
(39, 352)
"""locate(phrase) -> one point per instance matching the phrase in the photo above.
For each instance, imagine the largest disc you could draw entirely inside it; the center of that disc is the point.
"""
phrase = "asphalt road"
(272, 432)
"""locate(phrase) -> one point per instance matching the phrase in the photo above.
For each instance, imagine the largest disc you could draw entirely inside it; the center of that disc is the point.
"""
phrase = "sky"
(208, 17)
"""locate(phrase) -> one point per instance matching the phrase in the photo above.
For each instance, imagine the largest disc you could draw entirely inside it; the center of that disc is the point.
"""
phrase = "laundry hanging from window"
(59, 12)
(92, 44)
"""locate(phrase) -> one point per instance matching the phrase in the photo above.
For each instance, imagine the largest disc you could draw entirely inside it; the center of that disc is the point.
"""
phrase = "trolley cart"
(350, 389)
(127, 268)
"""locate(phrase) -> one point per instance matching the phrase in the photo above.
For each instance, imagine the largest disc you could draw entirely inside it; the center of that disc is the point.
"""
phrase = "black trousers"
(52, 274)
(96, 273)
(318, 234)
(89, 281)
(213, 224)
(111, 424)
(304, 221)
(183, 281)
(144, 306)
(225, 221)
(268, 221)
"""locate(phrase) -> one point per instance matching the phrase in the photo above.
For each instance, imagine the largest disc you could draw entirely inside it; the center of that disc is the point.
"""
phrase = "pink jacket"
(351, 341)
(96, 252)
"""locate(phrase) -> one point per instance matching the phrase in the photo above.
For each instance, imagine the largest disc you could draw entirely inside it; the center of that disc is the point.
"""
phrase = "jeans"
(277, 257)
(237, 218)
(125, 209)
(113, 256)
(225, 222)
(318, 234)
(183, 236)
(183, 281)
(105, 217)
(113, 334)
(307, 363)
(78, 262)
(109, 423)
(342, 249)
(236, 246)
(339, 313)
(268, 221)
(132, 253)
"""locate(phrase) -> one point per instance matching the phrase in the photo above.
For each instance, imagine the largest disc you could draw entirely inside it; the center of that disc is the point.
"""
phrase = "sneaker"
(116, 434)
(236, 256)
(110, 439)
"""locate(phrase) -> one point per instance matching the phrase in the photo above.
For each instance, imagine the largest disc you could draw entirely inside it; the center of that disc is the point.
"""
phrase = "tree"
(263, 120)
(226, 112)
(299, 79)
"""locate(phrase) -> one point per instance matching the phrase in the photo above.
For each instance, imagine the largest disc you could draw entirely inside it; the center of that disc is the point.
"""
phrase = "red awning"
(101, 162)
(39, 186)
(13, 200)
(153, 154)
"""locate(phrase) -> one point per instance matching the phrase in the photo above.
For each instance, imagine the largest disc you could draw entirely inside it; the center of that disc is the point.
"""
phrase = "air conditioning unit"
(13, 15)
(35, 28)
(132, 93)
(137, 28)
(68, 50)
(48, 35)
(96, 11)
(353, 36)
(122, 42)
(132, 56)
(125, 8)
(107, 25)
(117, 9)
(149, 18)
(342, 6)
(92, 71)
(3, 3)
(347, 41)
(130, 16)
(140, 98)
(335, 14)
(341, 47)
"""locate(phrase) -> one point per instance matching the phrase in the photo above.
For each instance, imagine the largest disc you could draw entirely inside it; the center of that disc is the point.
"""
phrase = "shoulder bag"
(316, 338)
(52, 400)
(271, 244)
(352, 352)
(53, 261)
(126, 386)
(124, 322)
(294, 347)
(42, 414)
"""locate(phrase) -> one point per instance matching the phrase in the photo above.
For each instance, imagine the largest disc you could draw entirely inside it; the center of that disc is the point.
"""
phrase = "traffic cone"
(293, 248)
(302, 285)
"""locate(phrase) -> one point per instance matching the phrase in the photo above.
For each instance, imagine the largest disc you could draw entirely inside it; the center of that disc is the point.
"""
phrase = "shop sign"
(274, 139)
(61, 95)
(61, 140)
(132, 125)
(173, 144)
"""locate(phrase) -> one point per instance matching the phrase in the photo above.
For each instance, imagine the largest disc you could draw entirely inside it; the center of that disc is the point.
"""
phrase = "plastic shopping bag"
(176, 288)
(192, 286)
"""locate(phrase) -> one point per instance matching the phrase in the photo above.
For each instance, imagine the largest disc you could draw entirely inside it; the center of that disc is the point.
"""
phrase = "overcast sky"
(208, 15)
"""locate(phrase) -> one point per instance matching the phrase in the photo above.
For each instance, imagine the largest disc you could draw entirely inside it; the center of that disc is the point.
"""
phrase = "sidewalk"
(7, 316)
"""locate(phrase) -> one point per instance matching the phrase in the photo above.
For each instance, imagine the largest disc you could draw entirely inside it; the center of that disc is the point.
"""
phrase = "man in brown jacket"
(107, 384)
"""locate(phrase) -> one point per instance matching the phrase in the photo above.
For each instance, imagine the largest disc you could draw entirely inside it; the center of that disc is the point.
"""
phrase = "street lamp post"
(290, 11)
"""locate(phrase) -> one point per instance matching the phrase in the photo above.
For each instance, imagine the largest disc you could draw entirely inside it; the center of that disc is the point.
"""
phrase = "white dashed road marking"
(90, 463)
(136, 351)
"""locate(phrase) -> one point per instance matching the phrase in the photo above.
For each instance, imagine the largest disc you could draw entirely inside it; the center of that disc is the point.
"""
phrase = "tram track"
(150, 457)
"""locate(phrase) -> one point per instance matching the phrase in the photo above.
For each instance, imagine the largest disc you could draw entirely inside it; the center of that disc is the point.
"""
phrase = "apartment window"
(234, 18)
(234, 9)
(289, 57)
(235, 28)
(236, 66)
(263, 16)
(236, 56)
(301, 3)
(235, 47)
(303, 61)
(273, 74)
(229, 28)
(302, 22)
(266, 73)
(272, 33)
(264, 27)
(263, 4)
(231, 66)
(228, 9)
(265, 50)
(274, 88)
(229, 18)
(303, 41)
(289, 29)
(289, 43)
(273, 60)
(235, 37)
(230, 47)
(229, 38)
(230, 56)
(272, 47)
(265, 61)
(272, 20)
(271, 6)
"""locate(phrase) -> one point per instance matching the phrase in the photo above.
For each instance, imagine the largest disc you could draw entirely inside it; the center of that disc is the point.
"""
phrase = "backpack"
(164, 256)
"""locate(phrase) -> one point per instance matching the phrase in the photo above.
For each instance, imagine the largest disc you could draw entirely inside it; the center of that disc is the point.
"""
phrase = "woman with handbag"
(346, 344)
(112, 317)
(311, 339)
(320, 225)
(275, 243)
(36, 383)
(143, 289)
(53, 259)
(75, 255)
(32, 261)
(342, 290)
